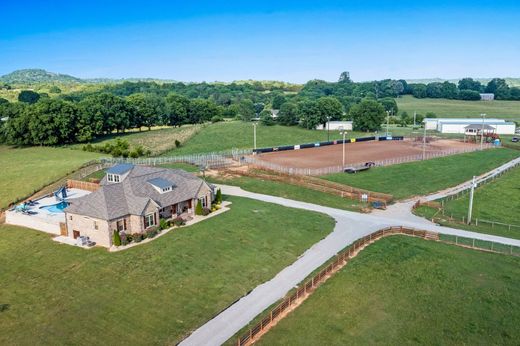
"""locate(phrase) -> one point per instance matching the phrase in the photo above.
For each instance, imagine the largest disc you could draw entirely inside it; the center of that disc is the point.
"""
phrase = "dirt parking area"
(359, 152)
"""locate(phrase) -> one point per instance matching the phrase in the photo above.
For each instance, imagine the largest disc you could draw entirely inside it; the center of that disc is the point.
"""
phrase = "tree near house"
(198, 208)
(116, 239)
(266, 118)
(218, 197)
(288, 114)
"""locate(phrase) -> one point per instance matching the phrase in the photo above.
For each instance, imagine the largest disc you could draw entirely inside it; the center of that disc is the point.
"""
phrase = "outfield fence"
(304, 290)
(257, 161)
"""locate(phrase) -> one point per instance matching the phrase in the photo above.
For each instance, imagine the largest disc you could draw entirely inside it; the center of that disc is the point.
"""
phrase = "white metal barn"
(336, 125)
(454, 125)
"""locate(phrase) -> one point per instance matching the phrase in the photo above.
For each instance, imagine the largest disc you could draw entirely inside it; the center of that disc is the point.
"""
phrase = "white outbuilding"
(336, 126)
(458, 125)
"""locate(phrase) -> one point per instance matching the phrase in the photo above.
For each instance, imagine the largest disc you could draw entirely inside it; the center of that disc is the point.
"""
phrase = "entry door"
(75, 234)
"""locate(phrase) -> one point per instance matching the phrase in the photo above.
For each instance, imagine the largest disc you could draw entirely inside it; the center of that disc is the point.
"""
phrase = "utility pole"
(471, 193)
(483, 115)
(424, 143)
(254, 135)
(414, 117)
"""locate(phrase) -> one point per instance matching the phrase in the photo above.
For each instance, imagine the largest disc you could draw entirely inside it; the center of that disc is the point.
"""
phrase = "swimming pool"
(56, 208)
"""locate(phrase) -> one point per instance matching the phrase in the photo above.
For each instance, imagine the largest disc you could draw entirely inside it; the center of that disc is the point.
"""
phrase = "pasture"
(403, 290)
(445, 108)
(424, 177)
(496, 201)
(155, 293)
(27, 170)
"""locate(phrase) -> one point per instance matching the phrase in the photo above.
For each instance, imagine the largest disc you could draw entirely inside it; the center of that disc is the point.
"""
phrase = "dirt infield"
(358, 152)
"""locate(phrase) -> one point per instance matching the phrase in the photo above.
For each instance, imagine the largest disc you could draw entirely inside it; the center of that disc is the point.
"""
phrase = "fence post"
(473, 242)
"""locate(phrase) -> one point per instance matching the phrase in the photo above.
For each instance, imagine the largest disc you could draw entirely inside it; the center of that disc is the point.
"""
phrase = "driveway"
(350, 226)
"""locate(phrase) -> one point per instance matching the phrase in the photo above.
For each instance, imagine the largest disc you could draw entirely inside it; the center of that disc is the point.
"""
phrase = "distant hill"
(512, 82)
(32, 76)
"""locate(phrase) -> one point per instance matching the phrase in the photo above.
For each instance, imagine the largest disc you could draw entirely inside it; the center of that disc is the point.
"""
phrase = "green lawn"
(290, 191)
(496, 201)
(460, 109)
(423, 177)
(27, 170)
(238, 134)
(403, 290)
(155, 293)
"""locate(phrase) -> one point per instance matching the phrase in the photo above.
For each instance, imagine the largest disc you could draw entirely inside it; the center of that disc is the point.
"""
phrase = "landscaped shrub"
(137, 237)
(163, 224)
(151, 232)
(124, 239)
(179, 221)
(129, 238)
(177, 143)
(218, 197)
(206, 211)
(198, 208)
(116, 238)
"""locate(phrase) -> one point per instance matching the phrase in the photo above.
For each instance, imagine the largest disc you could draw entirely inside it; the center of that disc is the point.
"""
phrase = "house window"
(121, 225)
(149, 220)
(203, 202)
(166, 189)
(70, 217)
(96, 225)
(113, 178)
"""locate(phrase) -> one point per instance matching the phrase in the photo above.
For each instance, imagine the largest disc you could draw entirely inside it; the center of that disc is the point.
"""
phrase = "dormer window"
(113, 178)
(161, 185)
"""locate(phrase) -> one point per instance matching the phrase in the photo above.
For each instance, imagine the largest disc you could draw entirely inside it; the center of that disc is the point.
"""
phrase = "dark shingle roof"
(132, 195)
(479, 127)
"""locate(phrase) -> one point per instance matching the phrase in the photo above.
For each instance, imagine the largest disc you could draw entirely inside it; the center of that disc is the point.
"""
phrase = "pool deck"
(44, 220)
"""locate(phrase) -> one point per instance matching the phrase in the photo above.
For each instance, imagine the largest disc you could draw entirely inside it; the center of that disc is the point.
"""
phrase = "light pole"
(483, 115)
(344, 133)
(387, 121)
(414, 117)
(254, 136)
(328, 129)
(424, 143)
(471, 193)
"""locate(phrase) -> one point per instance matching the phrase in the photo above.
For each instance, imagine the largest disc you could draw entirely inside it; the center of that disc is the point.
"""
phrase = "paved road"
(350, 226)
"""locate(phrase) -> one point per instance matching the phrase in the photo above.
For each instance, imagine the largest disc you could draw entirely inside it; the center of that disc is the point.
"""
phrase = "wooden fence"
(304, 290)
(82, 185)
(317, 184)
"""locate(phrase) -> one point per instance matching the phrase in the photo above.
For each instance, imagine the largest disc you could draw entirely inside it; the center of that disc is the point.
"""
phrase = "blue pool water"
(56, 208)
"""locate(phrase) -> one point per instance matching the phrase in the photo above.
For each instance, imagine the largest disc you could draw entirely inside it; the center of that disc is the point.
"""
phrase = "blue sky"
(269, 40)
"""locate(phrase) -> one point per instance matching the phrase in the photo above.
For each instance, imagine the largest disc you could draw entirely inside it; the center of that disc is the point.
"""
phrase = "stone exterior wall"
(85, 226)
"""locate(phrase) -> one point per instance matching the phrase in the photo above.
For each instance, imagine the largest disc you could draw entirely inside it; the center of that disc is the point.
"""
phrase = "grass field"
(151, 294)
(403, 290)
(289, 191)
(27, 170)
(158, 140)
(497, 201)
(423, 177)
(460, 109)
(239, 134)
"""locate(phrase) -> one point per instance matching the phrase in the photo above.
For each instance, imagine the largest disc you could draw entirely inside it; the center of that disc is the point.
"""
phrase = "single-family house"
(132, 199)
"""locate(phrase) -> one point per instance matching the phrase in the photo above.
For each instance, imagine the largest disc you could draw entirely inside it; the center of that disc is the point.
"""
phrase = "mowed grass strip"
(153, 294)
(445, 108)
(27, 170)
(424, 177)
(403, 290)
(289, 191)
